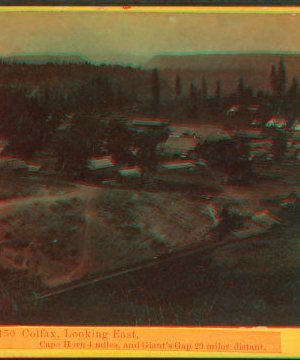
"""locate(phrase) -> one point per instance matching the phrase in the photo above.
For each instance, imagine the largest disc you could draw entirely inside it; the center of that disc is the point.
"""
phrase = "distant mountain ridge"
(224, 61)
(43, 58)
(126, 59)
(254, 67)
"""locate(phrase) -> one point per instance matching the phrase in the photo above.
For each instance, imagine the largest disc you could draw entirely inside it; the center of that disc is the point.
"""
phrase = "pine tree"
(178, 87)
(204, 88)
(199, 97)
(193, 101)
(204, 92)
(218, 89)
(218, 96)
(241, 88)
(274, 79)
(281, 77)
(294, 89)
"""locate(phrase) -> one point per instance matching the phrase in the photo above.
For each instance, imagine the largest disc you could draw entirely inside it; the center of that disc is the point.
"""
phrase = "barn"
(101, 167)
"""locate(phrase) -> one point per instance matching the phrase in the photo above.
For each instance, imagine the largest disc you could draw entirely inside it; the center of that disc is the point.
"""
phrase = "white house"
(277, 122)
(130, 175)
(101, 166)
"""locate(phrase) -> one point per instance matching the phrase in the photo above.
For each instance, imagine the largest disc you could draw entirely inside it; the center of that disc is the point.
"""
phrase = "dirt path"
(83, 191)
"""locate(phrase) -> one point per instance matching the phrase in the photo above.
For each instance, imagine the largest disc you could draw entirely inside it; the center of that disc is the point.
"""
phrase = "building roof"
(234, 109)
(261, 143)
(277, 121)
(64, 126)
(34, 166)
(175, 165)
(148, 122)
(12, 163)
(202, 132)
(130, 172)
(249, 133)
(295, 135)
(259, 151)
(180, 144)
(265, 219)
(66, 122)
(253, 108)
(296, 125)
(100, 162)
(4, 142)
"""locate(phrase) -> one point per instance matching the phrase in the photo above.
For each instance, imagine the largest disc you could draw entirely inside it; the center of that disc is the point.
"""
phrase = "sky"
(146, 33)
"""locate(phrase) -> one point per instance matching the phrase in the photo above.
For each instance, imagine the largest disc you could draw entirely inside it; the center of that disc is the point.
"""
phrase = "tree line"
(33, 105)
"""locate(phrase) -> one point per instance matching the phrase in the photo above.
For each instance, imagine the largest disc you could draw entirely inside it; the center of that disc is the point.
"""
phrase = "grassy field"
(65, 234)
(17, 186)
(52, 239)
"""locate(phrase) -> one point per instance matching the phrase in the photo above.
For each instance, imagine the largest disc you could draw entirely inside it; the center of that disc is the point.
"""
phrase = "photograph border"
(289, 336)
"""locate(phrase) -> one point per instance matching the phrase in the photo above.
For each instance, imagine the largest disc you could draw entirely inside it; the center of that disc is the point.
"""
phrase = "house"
(183, 174)
(186, 166)
(253, 109)
(261, 149)
(101, 167)
(47, 159)
(185, 131)
(292, 149)
(249, 134)
(296, 125)
(148, 123)
(130, 175)
(34, 167)
(257, 123)
(180, 145)
(13, 165)
(66, 123)
(262, 222)
(3, 144)
(277, 122)
(292, 201)
(64, 126)
(234, 110)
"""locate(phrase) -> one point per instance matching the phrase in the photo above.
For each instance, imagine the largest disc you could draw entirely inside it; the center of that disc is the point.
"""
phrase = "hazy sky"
(146, 33)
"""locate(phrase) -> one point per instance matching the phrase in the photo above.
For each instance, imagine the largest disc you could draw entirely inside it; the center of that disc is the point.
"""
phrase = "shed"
(183, 167)
(34, 167)
(179, 165)
(149, 123)
(13, 164)
(101, 166)
(180, 145)
(130, 175)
